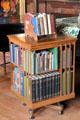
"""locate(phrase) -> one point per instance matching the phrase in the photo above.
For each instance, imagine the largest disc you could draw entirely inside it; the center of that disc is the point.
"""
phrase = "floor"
(11, 108)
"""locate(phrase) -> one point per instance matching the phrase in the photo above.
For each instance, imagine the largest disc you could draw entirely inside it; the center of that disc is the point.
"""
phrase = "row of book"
(43, 86)
(40, 87)
(43, 23)
(35, 62)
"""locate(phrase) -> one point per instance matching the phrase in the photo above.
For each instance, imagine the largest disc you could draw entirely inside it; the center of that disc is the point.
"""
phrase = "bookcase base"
(47, 102)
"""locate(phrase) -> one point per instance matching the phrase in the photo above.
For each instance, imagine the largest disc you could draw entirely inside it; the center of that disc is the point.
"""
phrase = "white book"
(49, 23)
(45, 23)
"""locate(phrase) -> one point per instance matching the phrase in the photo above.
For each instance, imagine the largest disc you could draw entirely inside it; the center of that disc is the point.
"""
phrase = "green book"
(32, 61)
(56, 58)
(67, 82)
(25, 86)
(55, 52)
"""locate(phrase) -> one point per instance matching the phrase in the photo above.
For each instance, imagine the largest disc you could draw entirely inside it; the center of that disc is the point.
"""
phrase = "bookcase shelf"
(67, 77)
(44, 102)
(47, 71)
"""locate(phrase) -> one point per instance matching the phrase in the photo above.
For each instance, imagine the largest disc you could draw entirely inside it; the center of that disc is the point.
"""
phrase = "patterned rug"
(7, 57)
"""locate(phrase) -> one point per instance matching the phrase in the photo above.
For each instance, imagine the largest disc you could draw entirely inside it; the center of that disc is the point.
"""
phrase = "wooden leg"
(24, 104)
(4, 62)
(58, 107)
(31, 114)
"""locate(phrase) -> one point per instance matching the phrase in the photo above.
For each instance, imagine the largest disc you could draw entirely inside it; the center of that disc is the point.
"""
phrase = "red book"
(52, 24)
(19, 55)
(27, 20)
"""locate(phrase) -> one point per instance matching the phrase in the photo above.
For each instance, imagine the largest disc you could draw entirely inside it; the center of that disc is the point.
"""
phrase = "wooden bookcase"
(60, 42)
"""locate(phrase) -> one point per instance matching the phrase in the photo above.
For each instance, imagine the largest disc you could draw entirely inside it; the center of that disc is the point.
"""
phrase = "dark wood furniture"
(57, 7)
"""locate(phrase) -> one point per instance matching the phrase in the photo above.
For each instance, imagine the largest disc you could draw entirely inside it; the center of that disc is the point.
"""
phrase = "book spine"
(38, 25)
(11, 49)
(56, 58)
(18, 81)
(52, 24)
(33, 91)
(41, 88)
(19, 55)
(45, 24)
(32, 61)
(23, 57)
(49, 23)
(25, 86)
(34, 23)
(37, 90)
(44, 87)
(56, 85)
(53, 85)
(47, 82)
(15, 54)
(49, 86)
(22, 83)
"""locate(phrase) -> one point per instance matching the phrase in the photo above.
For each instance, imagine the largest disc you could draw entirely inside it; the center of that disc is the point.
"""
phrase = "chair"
(4, 42)
(4, 47)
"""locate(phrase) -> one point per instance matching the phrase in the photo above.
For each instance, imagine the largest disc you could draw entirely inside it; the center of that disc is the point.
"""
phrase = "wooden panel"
(45, 44)
(22, 7)
(44, 102)
(69, 83)
(61, 70)
(65, 83)
(74, 48)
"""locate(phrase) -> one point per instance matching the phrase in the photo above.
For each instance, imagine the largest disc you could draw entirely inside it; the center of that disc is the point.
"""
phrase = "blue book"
(15, 54)
(34, 23)
(12, 60)
(52, 61)
(15, 78)
(22, 82)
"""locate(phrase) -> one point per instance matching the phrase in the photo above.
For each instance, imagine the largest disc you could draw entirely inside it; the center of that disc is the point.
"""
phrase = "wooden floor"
(11, 108)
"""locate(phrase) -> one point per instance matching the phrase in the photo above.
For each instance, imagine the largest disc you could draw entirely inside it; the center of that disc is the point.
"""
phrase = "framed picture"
(12, 7)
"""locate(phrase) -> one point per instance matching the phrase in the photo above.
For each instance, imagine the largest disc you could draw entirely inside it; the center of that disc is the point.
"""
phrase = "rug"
(7, 57)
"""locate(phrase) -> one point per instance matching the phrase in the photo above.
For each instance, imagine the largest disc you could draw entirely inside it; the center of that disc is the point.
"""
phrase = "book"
(49, 24)
(33, 89)
(25, 86)
(42, 25)
(12, 52)
(27, 21)
(55, 60)
(38, 25)
(53, 84)
(16, 79)
(33, 61)
(34, 23)
(45, 23)
(41, 86)
(22, 82)
(52, 24)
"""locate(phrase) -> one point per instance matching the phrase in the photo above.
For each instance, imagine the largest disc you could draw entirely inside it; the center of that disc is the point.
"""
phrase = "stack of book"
(41, 61)
(43, 86)
(43, 23)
